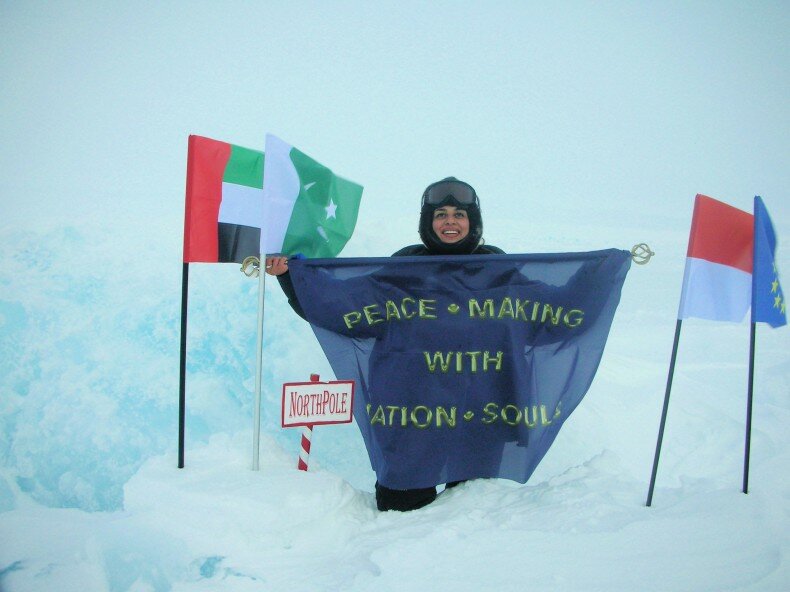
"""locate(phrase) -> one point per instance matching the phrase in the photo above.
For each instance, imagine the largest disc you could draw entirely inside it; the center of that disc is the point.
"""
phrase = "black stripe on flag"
(237, 242)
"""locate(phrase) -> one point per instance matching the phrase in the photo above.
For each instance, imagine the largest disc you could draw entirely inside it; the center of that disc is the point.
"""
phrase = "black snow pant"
(403, 500)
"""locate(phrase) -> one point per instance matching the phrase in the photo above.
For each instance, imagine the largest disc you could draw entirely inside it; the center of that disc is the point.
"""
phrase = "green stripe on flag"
(325, 212)
(245, 167)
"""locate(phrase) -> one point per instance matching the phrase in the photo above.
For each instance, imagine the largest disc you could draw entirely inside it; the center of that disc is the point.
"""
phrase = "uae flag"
(224, 202)
(717, 283)
(307, 209)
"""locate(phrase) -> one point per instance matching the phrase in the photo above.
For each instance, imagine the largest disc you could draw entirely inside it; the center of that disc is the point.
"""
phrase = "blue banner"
(466, 366)
(768, 301)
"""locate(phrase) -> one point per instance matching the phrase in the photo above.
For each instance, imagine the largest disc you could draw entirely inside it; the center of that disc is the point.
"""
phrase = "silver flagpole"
(256, 422)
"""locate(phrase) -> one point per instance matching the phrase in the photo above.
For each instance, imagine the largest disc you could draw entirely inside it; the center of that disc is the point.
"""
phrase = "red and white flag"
(717, 283)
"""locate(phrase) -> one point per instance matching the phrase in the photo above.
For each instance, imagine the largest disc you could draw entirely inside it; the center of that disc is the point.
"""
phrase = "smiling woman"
(450, 224)
(450, 220)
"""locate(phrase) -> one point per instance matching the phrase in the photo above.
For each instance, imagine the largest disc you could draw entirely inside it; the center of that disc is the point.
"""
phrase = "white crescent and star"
(331, 211)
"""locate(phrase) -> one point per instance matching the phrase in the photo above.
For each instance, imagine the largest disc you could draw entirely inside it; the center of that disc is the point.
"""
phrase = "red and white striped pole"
(307, 434)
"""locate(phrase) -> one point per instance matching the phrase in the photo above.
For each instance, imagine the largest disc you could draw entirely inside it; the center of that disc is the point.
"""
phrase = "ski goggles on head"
(442, 191)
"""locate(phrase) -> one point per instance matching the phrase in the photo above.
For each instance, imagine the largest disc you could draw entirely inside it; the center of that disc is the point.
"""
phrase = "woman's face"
(450, 224)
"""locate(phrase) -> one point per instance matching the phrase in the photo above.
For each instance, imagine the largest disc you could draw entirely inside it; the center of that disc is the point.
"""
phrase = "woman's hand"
(276, 265)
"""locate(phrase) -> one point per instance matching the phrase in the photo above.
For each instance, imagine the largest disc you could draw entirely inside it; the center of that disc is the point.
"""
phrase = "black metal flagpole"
(182, 400)
(664, 413)
(749, 400)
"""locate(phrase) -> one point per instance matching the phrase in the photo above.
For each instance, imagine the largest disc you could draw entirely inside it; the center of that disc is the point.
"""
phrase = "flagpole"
(256, 422)
(664, 413)
(749, 400)
(182, 400)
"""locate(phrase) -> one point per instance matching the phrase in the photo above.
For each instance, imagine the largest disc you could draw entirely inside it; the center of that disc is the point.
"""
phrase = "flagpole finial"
(641, 254)
(251, 266)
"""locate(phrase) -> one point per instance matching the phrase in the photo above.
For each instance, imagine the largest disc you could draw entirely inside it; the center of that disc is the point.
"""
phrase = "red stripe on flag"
(721, 234)
(206, 161)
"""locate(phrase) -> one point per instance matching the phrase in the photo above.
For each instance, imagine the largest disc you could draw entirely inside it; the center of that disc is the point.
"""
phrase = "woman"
(450, 224)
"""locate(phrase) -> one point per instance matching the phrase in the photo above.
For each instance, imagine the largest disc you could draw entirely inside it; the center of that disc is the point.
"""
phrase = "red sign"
(317, 403)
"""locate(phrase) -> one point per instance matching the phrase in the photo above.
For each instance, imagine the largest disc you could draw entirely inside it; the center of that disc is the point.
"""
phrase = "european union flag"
(768, 301)
(465, 366)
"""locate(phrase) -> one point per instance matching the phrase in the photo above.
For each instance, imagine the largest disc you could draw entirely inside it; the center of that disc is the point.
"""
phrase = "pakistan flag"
(307, 209)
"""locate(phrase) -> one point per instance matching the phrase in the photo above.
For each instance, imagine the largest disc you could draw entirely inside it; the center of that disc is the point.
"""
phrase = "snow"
(582, 128)
(92, 498)
(218, 525)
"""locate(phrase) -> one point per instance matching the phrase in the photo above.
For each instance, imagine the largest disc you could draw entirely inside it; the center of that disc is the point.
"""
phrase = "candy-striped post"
(307, 434)
(304, 452)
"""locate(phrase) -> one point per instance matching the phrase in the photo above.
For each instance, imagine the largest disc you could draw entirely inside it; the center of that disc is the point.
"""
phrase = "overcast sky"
(605, 117)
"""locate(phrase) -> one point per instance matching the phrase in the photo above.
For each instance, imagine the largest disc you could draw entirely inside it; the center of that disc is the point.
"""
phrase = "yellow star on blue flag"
(768, 300)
